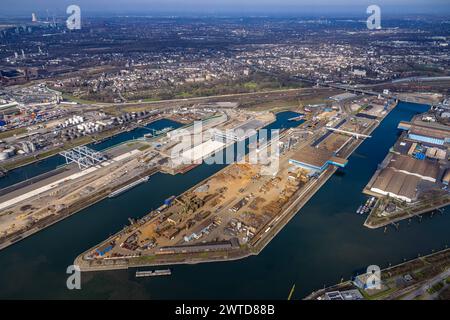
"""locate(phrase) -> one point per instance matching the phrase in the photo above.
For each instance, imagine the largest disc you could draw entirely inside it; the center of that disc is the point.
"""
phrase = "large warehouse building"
(426, 133)
(202, 151)
(316, 160)
(401, 177)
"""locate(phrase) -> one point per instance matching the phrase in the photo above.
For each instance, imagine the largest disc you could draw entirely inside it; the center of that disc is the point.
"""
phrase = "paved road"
(422, 290)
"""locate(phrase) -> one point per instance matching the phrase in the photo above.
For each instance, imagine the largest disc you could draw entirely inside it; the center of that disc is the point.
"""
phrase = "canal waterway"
(324, 242)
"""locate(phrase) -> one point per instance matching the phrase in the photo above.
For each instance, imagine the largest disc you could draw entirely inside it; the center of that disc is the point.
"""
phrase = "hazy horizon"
(225, 7)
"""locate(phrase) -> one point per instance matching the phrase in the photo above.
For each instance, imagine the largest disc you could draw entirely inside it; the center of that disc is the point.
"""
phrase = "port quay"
(402, 112)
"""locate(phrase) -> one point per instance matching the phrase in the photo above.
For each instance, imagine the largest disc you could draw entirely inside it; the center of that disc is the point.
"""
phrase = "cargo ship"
(128, 187)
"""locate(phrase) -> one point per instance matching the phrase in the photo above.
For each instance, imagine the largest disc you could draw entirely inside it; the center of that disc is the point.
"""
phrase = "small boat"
(167, 129)
(367, 206)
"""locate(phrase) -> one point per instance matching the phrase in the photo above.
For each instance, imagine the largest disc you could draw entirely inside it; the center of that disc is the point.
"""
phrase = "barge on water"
(367, 207)
(156, 273)
(297, 118)
(188, 168)
(155, 133)
(128, 187)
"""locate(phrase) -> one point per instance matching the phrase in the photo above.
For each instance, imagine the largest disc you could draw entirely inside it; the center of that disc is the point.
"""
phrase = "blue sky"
(297, 7)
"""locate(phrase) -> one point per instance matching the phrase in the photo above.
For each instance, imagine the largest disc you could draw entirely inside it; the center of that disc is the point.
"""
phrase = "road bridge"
(354, 134)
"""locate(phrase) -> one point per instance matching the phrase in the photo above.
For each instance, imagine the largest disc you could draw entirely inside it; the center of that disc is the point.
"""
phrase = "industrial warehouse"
(316, 160)
(431, 133)
(402, 176)
(415, 174)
